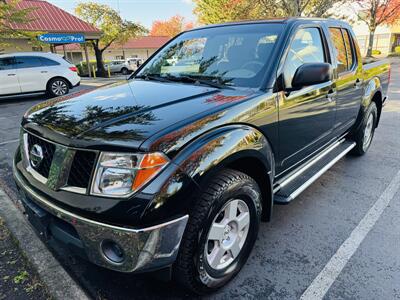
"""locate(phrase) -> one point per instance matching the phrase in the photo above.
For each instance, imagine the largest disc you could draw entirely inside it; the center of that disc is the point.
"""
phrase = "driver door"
(306, 116)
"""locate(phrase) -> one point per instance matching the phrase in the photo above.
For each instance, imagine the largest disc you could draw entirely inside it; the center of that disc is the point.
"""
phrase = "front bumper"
(143, 249)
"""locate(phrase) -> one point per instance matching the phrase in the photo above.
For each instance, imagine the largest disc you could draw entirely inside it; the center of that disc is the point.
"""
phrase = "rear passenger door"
(33, 76)
(349, 78)
(9, 83)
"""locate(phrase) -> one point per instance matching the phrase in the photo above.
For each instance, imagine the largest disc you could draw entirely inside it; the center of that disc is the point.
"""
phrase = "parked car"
(174, 169)
(32, 72)
(124, 66)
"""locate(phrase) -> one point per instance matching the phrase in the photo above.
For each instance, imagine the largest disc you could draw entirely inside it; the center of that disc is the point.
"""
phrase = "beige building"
(141, 47)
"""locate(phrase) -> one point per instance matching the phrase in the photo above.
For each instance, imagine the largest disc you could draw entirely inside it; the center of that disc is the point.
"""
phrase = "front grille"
(80, 163)
(48, 152)
(81, 169)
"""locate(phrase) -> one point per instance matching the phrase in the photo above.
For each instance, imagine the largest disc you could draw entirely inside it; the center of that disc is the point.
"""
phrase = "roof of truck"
(276, 20)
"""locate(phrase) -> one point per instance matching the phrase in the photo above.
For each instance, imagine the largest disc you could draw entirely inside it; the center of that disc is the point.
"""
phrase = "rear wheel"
(57, 87)
(365, 133)
(221, 232)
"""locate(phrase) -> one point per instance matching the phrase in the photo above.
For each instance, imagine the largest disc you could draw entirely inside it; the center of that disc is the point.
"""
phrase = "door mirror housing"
(310, 74)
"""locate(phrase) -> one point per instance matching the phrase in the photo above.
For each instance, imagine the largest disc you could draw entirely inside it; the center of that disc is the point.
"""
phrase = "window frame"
(13, 64)
(352, 49)
(30, 57)
(325, 47)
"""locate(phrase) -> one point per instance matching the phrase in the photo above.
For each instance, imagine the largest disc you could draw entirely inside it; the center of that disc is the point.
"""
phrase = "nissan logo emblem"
(36, 155)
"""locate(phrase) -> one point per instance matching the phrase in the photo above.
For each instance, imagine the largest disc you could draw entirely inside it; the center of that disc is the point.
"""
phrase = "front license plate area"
(38, 217)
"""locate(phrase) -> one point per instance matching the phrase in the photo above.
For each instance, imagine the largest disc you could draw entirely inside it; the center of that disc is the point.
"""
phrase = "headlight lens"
(121, 174)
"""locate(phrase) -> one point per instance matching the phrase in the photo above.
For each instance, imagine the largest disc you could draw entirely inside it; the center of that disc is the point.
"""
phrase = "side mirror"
(310, 74)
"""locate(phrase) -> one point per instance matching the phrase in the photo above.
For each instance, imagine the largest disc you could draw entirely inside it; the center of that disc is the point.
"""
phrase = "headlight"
(121, 174)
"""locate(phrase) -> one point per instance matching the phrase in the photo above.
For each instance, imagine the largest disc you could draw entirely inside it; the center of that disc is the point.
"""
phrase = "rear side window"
(306, 47)
(48, 62)
(24, 62)
(7, 63)
(340, 49)
(349, 49)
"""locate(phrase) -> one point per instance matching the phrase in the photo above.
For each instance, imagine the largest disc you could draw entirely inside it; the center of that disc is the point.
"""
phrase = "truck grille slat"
(81, 169)
(48, 153)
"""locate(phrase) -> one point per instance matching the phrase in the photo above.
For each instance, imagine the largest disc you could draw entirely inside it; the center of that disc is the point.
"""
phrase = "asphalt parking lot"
(331, 226)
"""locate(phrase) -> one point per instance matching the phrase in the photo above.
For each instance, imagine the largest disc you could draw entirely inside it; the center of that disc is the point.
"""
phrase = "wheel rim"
(59, 87)
(368, 132)
(227, 234)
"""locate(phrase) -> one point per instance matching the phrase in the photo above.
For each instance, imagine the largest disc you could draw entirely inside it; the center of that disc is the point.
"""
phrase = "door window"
(349, 49)
(24, 62)
(48, 62)
(306, 47)
(339, 48)
(7, 63)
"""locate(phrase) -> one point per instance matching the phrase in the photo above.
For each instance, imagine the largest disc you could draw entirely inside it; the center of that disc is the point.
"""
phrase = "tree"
(218, 11)
(171, 27)
(10, 15)
(114, 28)
(375, 13)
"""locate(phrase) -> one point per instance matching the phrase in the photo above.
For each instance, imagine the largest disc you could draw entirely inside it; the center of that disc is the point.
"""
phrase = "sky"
(142, 11)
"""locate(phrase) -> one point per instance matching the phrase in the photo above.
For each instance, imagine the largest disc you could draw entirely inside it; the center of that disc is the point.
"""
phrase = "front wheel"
(124, 71)
(365, 133)
(57, 87)
(221, 232)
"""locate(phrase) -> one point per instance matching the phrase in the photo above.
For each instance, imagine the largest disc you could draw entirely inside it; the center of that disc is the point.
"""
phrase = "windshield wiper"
(196, 80)
(154, 77)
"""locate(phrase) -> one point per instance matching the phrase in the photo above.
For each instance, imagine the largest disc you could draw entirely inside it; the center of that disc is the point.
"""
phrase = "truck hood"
(123, 114)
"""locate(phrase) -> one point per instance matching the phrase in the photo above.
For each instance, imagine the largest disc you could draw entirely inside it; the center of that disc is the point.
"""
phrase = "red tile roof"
(48, 17)
(144, 42)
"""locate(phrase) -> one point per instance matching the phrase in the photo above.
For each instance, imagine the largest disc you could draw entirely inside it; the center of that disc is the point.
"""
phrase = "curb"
(58, 282)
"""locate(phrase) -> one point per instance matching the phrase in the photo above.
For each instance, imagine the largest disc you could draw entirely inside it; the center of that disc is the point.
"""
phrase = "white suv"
(124, 66)
(31, 72)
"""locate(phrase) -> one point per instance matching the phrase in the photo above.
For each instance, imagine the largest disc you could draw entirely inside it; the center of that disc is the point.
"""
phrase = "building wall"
(22, 45)
(76, 56)
(384, 37)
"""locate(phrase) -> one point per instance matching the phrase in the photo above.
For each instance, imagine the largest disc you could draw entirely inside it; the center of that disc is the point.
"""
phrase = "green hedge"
(397, 49)
(376, 52)
(82, 67)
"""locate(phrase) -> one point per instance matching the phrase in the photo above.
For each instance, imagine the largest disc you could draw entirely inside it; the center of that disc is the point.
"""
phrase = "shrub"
(376, 52)
(397, 49)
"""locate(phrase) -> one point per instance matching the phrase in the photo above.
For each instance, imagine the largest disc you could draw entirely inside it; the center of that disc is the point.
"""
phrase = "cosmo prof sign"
(62, 38)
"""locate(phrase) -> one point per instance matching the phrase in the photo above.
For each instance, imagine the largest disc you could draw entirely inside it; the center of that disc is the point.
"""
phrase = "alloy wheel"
(227, 234)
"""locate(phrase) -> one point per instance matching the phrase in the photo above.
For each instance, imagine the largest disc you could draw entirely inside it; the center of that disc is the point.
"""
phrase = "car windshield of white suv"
(220, 56)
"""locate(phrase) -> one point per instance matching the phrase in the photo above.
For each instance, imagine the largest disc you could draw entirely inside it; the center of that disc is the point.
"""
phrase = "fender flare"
(221, 148)
(373, 86)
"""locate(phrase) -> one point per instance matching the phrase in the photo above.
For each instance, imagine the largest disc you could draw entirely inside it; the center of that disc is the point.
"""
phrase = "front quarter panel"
(205, 156)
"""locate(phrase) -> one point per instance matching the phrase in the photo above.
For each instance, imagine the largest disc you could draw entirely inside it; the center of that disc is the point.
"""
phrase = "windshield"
(236, 55)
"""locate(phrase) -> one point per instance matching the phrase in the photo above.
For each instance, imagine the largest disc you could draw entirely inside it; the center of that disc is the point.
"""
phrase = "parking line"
(9, 142)
(321, 284)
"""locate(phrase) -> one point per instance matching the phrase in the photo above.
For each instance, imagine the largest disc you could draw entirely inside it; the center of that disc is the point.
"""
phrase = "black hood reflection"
(125, 114)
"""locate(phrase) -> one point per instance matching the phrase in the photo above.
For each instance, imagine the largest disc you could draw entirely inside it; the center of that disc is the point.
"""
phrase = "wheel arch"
(239, 147)
(59, 77)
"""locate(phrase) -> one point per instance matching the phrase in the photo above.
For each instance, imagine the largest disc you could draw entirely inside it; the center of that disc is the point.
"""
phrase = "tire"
(365, 133)
(57, 87)
(198, 267)
(124, 71)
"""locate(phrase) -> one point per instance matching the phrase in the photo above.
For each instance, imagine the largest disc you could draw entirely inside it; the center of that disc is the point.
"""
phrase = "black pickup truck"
(173, 169)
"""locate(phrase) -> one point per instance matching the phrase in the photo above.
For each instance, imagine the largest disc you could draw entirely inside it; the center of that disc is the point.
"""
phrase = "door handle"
(358, 83)
(12, 74)
(331, 94)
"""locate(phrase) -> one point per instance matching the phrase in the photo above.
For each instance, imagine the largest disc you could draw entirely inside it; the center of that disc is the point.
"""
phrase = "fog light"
(112, 251)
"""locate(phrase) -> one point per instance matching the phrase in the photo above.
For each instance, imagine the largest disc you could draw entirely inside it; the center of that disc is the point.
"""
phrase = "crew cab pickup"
(174, 169)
